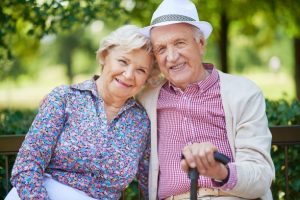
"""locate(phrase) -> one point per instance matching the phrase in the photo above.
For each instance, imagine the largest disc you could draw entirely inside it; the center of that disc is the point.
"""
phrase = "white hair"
(127, 38)
(198, 34)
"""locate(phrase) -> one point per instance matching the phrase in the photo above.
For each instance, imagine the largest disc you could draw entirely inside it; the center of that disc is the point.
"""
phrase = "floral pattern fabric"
(72, 140)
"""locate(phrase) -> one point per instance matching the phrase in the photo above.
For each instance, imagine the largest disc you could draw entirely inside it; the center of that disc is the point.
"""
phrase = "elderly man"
(197, 110)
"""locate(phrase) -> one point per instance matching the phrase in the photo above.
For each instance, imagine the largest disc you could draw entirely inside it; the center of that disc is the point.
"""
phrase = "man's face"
(178, 54)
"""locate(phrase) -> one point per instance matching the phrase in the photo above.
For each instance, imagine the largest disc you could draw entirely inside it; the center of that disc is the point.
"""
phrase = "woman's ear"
(102, 57)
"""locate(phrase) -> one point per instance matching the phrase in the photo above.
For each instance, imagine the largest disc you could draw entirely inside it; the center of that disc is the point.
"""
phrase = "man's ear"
(202, 41)
(201, 45)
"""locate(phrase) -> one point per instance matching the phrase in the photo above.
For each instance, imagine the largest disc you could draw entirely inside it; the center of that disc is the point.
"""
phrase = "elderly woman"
(89, 140)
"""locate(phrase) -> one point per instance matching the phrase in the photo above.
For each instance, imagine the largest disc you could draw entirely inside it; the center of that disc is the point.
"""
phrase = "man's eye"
(180, 44)
(160, 50)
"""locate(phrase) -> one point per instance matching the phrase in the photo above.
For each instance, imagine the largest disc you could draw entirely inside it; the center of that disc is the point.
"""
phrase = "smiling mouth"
(122, 83)
(177, 67)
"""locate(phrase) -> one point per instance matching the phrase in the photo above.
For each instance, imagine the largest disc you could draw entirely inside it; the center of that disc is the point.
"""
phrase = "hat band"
(167, 18)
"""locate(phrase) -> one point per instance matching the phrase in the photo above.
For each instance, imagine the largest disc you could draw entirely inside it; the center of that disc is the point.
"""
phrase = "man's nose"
(172, 55)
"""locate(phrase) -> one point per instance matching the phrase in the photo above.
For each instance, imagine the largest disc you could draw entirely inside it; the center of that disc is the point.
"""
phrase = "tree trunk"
(67, 46)
(223, 42)
(297, 66)
(70, 74)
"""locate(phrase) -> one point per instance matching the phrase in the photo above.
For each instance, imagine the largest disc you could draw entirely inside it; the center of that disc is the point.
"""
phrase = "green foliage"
(15, 122)
(10, 160)
(12, 122)
(279, 113)
(132, 192)
(284, 113)
(24, 22)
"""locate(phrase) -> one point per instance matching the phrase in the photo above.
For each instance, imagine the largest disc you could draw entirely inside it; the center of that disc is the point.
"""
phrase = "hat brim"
(203, 26)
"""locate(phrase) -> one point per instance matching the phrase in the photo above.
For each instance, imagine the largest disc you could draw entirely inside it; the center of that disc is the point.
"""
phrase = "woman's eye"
(142, 71)
(122, 62)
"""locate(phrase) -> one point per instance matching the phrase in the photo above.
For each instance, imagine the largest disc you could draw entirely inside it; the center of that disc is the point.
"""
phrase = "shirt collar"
(202, 85)
(88, 85)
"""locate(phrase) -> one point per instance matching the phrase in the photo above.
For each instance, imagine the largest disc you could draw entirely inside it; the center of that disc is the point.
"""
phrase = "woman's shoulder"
(61, 90)
(56, 95)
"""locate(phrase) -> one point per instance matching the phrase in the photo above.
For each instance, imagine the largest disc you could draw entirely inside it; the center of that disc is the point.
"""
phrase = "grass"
(29, 92)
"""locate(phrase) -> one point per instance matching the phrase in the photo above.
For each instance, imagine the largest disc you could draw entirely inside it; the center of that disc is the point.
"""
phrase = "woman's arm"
(143, 169)
(37, 148)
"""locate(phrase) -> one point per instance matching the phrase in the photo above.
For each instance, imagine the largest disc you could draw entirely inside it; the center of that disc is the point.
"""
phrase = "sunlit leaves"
(24, 22)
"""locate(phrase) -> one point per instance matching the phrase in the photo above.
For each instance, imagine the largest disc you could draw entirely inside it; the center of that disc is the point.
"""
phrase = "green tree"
(274, 13)
(286, 15)
(24, 22)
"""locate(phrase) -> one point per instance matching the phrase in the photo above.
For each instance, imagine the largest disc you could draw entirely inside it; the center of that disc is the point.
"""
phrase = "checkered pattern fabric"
(195, 115)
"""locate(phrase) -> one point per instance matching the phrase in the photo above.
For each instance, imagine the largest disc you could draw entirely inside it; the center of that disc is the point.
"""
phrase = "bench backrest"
(282, 135)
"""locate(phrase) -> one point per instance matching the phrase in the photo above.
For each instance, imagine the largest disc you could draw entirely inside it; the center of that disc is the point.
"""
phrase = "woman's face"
(124, 73)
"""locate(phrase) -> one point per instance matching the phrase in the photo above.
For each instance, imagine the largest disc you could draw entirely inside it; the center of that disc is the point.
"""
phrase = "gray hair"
(198, 34)
(128, 38)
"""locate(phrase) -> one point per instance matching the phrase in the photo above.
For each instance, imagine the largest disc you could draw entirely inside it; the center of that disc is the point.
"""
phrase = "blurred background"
(46, 43)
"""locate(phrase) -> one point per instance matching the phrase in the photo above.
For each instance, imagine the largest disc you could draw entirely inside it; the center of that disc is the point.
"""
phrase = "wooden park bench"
(284, 136)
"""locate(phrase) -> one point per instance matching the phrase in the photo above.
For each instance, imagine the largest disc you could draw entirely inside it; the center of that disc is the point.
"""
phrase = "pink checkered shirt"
(195, 115)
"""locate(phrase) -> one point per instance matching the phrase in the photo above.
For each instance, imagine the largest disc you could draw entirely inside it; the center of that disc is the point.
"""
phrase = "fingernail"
(193, 165)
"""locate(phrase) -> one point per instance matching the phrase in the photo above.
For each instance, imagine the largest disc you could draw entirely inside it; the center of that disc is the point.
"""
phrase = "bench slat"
(281, 135)
(285, 134)
(10, 143)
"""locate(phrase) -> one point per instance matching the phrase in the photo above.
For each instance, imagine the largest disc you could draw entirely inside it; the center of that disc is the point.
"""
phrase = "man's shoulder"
(237, 82)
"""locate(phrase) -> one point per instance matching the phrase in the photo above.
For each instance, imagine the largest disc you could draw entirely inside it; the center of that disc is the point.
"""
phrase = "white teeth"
(123, 83)
(176, 67)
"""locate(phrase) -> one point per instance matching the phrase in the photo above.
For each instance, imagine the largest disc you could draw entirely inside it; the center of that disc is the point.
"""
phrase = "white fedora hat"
(177, 11)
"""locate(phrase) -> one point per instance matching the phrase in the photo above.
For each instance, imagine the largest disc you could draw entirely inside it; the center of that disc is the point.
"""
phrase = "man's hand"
(201, 155)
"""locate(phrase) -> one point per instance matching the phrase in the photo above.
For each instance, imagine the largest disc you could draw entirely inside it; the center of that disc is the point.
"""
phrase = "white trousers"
(56, 191)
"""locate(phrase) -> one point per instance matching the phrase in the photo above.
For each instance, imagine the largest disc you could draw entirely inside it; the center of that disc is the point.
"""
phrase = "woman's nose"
(128, 73)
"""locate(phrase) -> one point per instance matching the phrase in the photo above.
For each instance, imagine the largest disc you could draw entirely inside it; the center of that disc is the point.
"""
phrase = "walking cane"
(194, 174)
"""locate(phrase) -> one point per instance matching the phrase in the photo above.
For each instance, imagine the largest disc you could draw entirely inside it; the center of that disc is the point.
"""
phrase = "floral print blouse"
(72, 140)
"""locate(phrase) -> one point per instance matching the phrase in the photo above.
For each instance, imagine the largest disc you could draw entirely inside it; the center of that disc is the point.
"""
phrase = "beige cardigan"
(248, 134)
